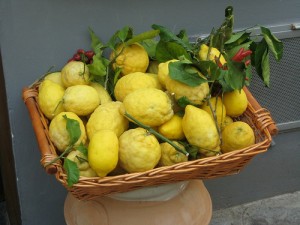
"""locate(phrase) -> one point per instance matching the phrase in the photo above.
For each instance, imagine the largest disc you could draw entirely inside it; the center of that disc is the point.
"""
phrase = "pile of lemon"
(115, 143)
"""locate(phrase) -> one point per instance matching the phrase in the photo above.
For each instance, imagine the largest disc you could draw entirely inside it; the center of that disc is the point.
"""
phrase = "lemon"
(217, 108)
(200, 129)
(157, 82)
(214, 53)
(58, 132)
(235, 102)
(163, 71)
(107, 117)
(82, 163)
(139, 151)
(102, 93)
(228, 120)
(50, 98)
(150, 106)
(81, 99)
(55, 77)
(132, 58)
(169, 155)
(75, 72)
(195, 95)
(103, 152)
(172, 129)
(132, 82)
(237, 135)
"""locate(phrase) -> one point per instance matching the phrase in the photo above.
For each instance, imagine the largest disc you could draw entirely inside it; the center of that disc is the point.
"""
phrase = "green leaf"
(275, 45)
(167, 36)
(125, 33)
(166, 51)
(73, 129)
(96, 44)
(72, 172)
(185, 73)
(260, 49)
(191, 149)
(143, 36)
(82, 148)
(150, 46)
(231, 52)
(183, 102)
(99, 66)
(235, 75)
(265, 65)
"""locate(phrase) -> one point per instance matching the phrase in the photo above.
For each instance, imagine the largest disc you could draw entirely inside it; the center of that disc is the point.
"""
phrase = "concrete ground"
(278, 210)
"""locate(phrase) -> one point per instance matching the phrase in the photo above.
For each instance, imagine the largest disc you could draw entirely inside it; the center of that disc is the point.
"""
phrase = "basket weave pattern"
(206, 168)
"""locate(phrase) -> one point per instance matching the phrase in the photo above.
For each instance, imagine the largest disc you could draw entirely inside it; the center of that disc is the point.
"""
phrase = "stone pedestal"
(185, 203)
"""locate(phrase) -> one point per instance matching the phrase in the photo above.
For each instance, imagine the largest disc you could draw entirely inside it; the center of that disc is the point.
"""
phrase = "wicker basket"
(218, 166)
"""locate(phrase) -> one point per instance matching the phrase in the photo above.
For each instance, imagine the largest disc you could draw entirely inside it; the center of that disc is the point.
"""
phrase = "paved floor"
(278, 210)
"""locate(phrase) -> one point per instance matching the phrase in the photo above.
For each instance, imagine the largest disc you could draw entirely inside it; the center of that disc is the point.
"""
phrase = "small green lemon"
(150, 106)
(81, 99)
(139, 151)
(200, 129)
(235, 102)
(131, 82)
(103, 152)
(172, 129)
(236, 136)
(55, 77)
(102, 92)
(107, 117)
(74, 73)
(58, 131)
(50, 98)
(169, 155)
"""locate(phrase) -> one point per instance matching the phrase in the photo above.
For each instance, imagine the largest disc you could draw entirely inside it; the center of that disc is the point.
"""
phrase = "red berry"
(80, 51)
(77, 57)
(89, 54)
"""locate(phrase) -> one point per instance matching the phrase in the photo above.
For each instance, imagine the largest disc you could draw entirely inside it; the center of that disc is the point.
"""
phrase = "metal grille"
(282, 99)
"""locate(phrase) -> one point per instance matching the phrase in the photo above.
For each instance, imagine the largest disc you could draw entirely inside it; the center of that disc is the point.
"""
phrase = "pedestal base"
(192, 206)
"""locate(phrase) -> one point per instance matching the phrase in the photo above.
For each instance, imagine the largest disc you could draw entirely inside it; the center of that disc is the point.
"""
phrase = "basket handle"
(45, 150)
(271, 126)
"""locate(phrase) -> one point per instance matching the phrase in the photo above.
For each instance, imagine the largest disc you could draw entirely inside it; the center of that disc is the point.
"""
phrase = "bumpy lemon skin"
(107, 117)
(103, 152)
(139, 151)
(74, 73)
(58, 132)
(214, 53)
(150, 106)
(81, 99)
(170, 156)
(133, 81)
(55, 77)
(50, 98)
(200, 129)
(236, 136)
(132, 58)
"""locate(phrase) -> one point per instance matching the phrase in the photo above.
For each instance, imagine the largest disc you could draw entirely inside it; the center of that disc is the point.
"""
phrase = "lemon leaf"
(273, 43)
(73, 129)
(82, 148)
(184, 72)
(143, 36)
(166, 51)
(99, 66)
(96, 44)
(72, 172)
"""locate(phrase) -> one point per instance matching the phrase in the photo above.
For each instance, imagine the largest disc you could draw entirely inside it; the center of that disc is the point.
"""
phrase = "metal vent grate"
(282, 99)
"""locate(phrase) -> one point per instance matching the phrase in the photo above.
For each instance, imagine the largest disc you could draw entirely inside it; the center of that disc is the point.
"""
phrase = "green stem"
(68, 149)
(158, 135)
